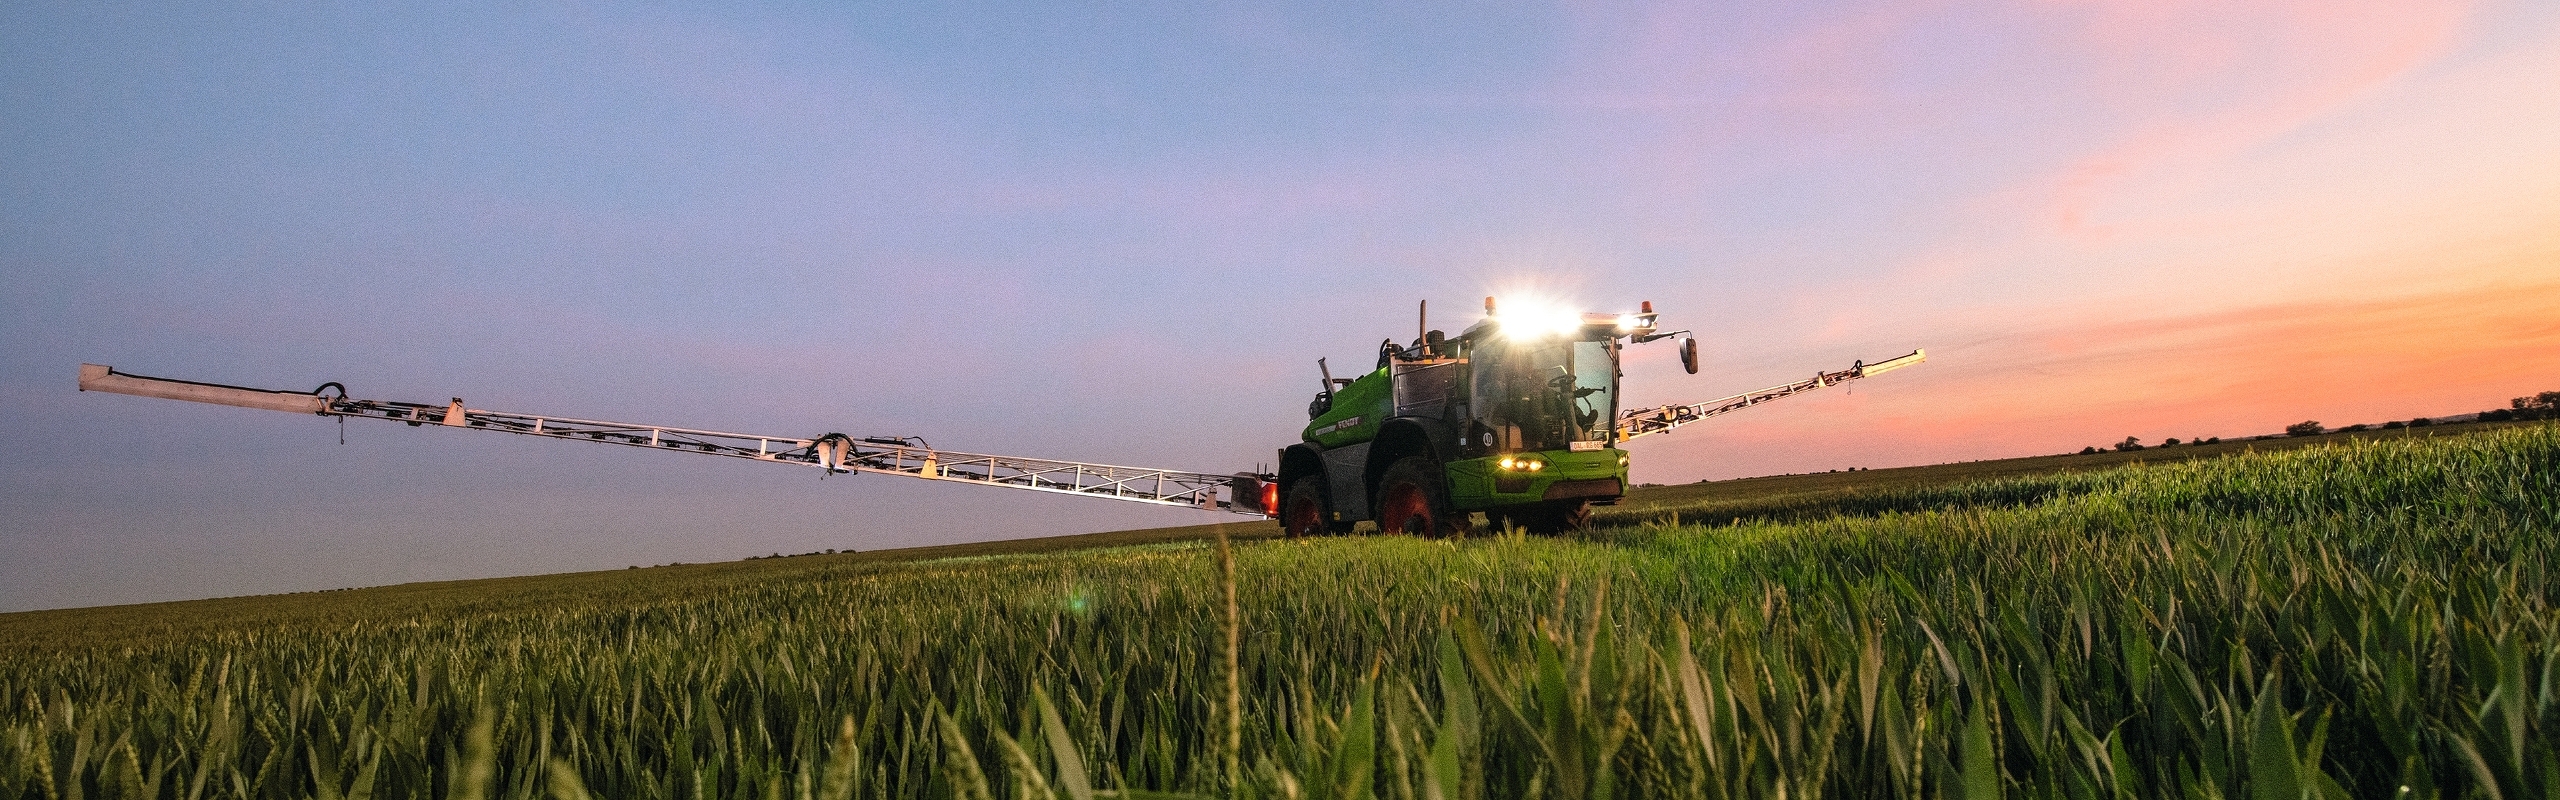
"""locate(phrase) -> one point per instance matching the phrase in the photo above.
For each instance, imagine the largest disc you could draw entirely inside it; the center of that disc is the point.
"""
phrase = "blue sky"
(1123, 233)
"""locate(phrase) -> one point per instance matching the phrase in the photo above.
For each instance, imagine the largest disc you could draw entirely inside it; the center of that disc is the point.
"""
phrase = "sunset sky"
(1123, 232)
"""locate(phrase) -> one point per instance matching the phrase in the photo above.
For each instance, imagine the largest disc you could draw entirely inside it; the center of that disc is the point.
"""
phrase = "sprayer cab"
(1552, 377)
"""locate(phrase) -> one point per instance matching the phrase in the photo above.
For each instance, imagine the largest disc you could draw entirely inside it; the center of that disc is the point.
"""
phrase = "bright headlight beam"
(1533, 317)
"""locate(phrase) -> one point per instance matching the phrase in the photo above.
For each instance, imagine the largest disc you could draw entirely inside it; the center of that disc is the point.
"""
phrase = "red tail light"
(1271, 499)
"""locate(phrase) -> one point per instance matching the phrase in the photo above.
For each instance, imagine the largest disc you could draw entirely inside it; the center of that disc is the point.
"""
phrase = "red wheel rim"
(1405, 510)
(1303, 519)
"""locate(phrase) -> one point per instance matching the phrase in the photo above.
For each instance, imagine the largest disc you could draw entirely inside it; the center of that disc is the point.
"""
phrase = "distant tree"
(2214, 440)
(2421, 422)
(2088, 451)
(2352, 428)
(2541, 406)
(2309, 427)
(2129, 444)
(2172, 442)
(2497, 415)
(2394, 425)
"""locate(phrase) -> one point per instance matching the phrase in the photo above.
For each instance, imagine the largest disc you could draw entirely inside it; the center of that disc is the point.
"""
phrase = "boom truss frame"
(835, 453)
(1665, 419)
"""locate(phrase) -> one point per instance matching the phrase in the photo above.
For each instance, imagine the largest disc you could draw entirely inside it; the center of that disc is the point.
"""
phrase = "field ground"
(2344, 616)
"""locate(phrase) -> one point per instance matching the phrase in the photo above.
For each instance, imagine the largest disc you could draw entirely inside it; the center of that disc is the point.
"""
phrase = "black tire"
(1302, 509)
(1413, 498)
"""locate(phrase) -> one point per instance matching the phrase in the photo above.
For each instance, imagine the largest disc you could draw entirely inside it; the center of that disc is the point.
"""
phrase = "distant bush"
(2214, 440)
(2088, 451)
(2129, 444)
(2352, 428)
(2394, 425)
(2308, 427)
(2497, 415)
(2421, 422)
(2172, 442)
(2541, 406)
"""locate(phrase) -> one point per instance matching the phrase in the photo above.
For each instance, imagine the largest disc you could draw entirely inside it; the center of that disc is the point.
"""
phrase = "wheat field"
(2357, 619)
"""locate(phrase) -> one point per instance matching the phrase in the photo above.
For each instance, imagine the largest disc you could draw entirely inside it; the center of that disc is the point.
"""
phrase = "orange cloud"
(2373, 357)
(2225, 373)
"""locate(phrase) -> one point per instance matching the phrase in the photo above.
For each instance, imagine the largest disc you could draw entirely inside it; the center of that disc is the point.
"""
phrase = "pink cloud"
(2214, 79)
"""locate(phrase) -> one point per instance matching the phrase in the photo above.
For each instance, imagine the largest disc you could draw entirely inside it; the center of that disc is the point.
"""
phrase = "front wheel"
(1302, 510)
(1413, 498)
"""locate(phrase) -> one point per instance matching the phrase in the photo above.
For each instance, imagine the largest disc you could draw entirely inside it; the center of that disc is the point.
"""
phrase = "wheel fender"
(1397, 439)
(1304, 459)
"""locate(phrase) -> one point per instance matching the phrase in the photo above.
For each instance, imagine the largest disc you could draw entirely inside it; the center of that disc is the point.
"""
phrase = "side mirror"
(1689, 355)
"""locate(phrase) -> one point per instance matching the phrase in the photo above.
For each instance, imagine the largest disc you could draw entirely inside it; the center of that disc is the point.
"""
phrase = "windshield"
(1545, 394)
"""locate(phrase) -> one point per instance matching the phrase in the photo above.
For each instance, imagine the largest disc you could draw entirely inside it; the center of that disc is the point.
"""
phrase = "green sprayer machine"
(1516, 417)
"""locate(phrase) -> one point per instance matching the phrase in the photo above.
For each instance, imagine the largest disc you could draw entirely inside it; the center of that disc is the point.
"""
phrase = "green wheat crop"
(2373, 619)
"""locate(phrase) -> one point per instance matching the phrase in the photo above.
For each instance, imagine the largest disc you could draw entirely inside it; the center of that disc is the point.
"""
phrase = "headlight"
(1522, 463)
(1529, 317)
(1522, 327)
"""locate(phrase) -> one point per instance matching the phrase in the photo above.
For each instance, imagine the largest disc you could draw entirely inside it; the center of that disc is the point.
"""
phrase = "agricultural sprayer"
(1516, 416)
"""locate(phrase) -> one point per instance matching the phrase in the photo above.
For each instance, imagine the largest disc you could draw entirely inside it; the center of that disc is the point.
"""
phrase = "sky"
(1123, 232)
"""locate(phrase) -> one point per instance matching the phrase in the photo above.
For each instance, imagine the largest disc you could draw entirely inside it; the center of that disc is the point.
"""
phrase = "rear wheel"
(1302, 509)
(1414, 499)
